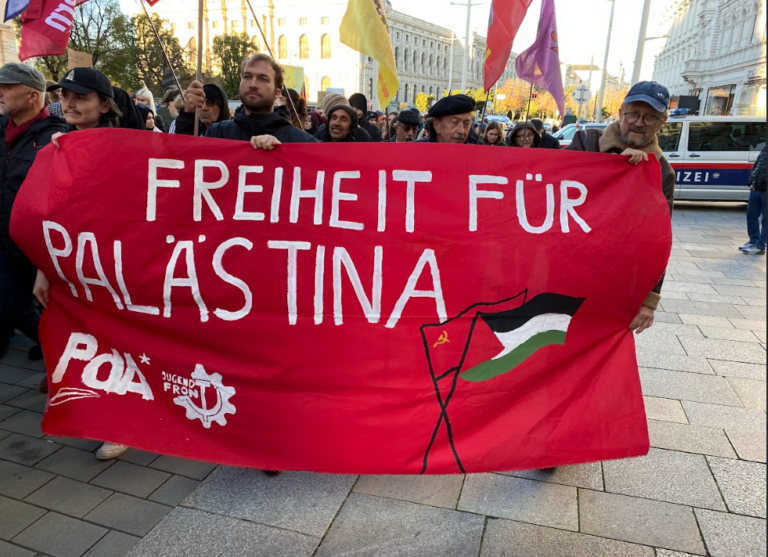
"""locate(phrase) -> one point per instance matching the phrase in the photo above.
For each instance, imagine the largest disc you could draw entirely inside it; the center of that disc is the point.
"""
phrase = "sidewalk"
(700, 491)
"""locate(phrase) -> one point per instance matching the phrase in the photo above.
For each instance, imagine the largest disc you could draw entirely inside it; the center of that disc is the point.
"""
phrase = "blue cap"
(655, 94)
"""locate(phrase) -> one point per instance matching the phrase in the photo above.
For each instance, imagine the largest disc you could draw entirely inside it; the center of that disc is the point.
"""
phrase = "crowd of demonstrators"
(756, 208)
(270, 115)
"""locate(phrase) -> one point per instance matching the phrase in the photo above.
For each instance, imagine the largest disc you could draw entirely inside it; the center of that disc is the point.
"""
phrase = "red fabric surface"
(349, 394)
(45, 28)
(505, 20)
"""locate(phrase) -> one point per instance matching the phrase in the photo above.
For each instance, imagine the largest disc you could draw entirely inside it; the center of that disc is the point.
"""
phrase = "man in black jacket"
(256, 120)
(756, 208)
(360, 104)
(547, 141)
(25, 128)
(342, 124)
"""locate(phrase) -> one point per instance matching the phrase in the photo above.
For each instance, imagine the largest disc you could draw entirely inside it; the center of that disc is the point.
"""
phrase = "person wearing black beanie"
(360, 104)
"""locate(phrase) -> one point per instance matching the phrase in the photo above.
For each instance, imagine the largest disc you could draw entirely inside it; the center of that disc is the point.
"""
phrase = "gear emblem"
(217, 413)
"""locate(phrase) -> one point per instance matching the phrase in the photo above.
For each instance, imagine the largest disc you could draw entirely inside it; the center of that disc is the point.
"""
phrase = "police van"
(712, 155)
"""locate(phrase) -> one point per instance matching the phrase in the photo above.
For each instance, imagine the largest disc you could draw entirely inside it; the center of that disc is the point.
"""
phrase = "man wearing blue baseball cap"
(641, 117)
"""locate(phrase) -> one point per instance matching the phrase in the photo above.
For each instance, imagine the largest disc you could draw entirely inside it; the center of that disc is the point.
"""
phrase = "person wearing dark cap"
(214, 108)
(341, 125)
(360, 104)
(88, 100)
(547, 141)
(25, 127)
(643, 112)
(407, 127)
(452, 120)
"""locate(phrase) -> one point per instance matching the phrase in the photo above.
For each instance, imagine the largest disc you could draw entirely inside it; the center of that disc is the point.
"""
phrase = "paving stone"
(7, 392)
(762, 337)
(682, 286)
(636, 520)
(737, 369)
(751, 393)
(33, 381)
(68, 497)
(668, 553)
(705, 320)
(756, 302)
(8, 411)
(717, 298)
(690, 439)
(664, 409)
(87, 445)
(540, 503)
(651, 341)
(687, 386)
(26, 450)
(725, 417)
(195, 469)
(749, 445)
(25, 422)
(750, 312)
(666, 317)
(743, 291)
(737, 282)
(114, 544)
(15, 358)
(730, 535)
(742, 484)
(9, 550)
(19, 481)
(729, 334)
(31, 400)
(298, 501)
(128, 514)
(60, 536)
(436, 491)
(370, 526)
(670, 476)
(749, 324)
(185, 532)
(505, 538)
(20, 342)
(137, 456)
(4, 434)
(11, 375)
(75, 464)
(588, 475)
(15, 516)
(131, 479)
(174, 490)
(745, 352)
(693, 364)
(701, 308)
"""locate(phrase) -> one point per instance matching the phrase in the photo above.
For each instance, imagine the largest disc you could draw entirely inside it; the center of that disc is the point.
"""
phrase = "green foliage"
(230, 52)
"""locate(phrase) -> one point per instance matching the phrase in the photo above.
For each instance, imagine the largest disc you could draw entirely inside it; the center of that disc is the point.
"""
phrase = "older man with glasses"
(643, 113)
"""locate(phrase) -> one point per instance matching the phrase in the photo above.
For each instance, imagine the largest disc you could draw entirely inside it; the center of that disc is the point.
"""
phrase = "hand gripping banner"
(350, 309)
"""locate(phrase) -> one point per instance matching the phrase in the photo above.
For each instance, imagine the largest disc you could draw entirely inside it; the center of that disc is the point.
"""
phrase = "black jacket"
(548, 141)
(757, 178)
(14, 166)
(245, 126)
(359, 136)
(373, 131)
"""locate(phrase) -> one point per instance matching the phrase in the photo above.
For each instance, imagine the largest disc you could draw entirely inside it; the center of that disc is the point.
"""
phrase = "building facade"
(716, 51)
(8, 39)
(305, 33)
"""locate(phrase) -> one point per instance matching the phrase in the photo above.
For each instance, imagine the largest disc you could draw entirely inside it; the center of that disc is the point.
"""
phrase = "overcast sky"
(582, 28)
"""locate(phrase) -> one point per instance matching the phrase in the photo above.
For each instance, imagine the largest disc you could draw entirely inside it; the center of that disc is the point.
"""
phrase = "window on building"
(370, 88)
(415, 60)
(303, 47)
(325, 20)
(252, 23)
(215, 24)
(431, 44)
(325, 47)
(424, 42)
(397, 56)
(235, 23)
(282, 47)
(302, 21)
(255, 42)
(407, 89)
(191, 25)
(423, 59)
(406, 38)
(325, 83)
(281, 22)
(397, 35)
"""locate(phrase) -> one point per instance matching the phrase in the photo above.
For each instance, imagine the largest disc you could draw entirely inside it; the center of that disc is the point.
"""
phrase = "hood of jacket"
(214, 92)
(611, 141)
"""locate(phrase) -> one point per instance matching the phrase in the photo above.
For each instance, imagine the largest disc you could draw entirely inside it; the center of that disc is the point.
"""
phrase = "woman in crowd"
(148, 115)
(494, 135)
(524, 135)
(144, 97)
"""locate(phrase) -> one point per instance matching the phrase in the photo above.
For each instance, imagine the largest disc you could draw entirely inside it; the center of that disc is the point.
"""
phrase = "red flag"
(46, 26)
(317, 309)
(151, 2)
(503, 24)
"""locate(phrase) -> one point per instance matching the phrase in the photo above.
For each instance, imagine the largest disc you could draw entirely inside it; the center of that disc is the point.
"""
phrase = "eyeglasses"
(648, 119)
(526, 137)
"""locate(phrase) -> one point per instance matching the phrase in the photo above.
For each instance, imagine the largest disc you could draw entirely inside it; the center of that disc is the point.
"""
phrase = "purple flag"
(540, 63)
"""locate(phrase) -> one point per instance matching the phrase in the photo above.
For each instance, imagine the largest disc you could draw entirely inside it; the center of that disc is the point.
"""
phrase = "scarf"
(611, 140)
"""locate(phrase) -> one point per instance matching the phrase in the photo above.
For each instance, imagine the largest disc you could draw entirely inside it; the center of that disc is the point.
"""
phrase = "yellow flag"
(364, 29)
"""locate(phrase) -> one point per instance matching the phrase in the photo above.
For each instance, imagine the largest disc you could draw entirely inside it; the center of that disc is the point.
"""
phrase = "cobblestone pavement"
(701, 490)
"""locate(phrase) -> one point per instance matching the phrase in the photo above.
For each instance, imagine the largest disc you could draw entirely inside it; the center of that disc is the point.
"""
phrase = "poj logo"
(193, 389)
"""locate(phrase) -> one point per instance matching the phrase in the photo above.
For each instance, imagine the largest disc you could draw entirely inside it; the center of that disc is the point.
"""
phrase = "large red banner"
(352, 309)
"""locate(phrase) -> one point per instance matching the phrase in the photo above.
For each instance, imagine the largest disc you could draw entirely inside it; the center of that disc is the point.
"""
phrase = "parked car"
(712, 155)
(565, 135)
(503, 120)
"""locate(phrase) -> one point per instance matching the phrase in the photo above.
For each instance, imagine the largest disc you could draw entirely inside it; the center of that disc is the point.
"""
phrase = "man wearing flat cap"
(25, 128)
(452, 120)
(407, 127)
(641, 117)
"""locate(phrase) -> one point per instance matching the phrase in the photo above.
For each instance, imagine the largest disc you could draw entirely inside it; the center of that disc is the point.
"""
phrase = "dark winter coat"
(245, 126)
(356, 135)
(14, 166)
(372, 130)
(609, 141)
(757, 177)
(548, 141)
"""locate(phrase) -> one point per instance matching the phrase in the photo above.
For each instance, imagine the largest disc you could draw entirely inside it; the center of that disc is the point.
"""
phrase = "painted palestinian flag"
(521, 331)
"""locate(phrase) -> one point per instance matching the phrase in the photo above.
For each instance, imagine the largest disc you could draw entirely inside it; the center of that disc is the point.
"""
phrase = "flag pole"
(272, 54)
(530, 98)
(162, 48)
(199, 74)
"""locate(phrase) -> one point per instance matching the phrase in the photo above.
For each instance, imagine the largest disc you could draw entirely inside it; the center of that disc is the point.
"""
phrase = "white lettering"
(118, 252)
(79, 347)
(475, 194)
(218, 267)
(56, 253)
(427, 258)
(202, 188)
(567, 206)
(292, 248)
(190, 281)
(371, 308)
(242, 189)
(337, 196)
(88, 238)
(411, 178)
(153, 183)
(298, 194)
